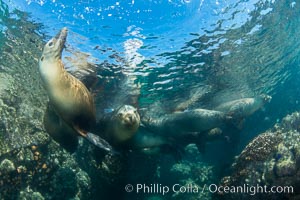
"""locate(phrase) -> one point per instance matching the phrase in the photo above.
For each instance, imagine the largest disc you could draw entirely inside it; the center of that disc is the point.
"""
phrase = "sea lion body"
(242, 108)
(72, 109)
(181, 123)
(172, 132)
(68, 96)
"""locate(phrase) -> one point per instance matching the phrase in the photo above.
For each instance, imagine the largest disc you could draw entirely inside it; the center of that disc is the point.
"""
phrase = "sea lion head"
(126, 122)
(128, 117)
(54, 47)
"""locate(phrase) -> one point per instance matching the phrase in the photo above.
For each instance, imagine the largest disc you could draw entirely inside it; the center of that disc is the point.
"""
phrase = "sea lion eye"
(50, 44)
(42, 58)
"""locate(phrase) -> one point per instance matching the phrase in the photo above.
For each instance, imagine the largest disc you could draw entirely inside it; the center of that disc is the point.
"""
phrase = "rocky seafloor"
(272, 159)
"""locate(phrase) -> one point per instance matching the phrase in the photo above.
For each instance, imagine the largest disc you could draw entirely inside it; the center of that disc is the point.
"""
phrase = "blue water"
(184, 43)
(221, 50)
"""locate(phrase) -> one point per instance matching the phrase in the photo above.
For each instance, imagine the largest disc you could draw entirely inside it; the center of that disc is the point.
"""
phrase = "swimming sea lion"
(70, 99)
(180, 128)
(121, 125)
(241, 108)
(197, 120)
(244, 107)
(125, 124)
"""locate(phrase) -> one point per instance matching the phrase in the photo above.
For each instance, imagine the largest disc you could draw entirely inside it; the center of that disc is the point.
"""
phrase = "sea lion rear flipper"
(99, 142)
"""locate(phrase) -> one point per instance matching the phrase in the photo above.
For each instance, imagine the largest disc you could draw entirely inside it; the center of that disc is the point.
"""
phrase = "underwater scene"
(149, 99)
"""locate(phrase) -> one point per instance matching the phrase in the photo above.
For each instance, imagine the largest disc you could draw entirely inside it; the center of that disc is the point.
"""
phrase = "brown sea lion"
(125, 124)
(120, 125)
(70, 99)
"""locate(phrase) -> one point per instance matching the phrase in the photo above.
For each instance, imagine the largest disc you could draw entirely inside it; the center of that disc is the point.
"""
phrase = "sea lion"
(126, 123)
(120, 125)
(70, 99)
(241, 108)
(197, 120)
(180, 129)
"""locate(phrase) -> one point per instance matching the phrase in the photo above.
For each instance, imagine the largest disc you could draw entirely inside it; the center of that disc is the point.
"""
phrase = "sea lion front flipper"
(96, 140)
(99, 142)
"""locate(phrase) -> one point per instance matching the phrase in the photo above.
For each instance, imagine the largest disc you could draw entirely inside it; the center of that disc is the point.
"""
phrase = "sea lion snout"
(55, 46)
(130, 119)
(62, 35)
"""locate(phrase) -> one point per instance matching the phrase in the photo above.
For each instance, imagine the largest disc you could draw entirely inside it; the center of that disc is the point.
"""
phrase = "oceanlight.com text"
(157, 188)
(250, 189)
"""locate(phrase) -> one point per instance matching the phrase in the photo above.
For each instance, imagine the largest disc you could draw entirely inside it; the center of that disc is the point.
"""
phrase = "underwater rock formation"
(22, 99)
(270, 159)
(192, 173)
(29, 194)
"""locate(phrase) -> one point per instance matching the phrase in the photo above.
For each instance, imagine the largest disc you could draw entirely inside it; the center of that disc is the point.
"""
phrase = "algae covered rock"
(22, 98)
(29, 194)
(7, 166)
(191, 175)
(270, 159)
(64, 182)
